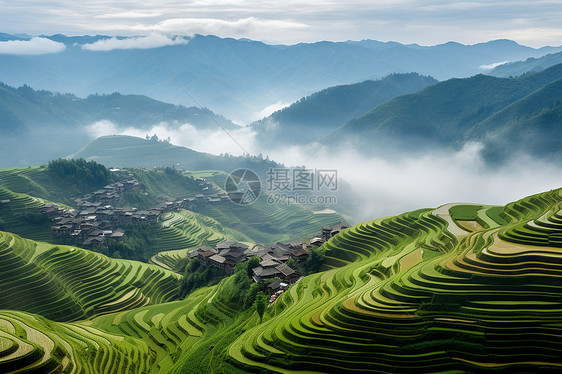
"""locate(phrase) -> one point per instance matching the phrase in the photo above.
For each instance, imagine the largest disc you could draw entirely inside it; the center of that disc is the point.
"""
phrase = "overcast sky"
(535, 23)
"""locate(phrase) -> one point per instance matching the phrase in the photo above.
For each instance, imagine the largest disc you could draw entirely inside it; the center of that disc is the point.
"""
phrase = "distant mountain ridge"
(28, 107)
(238, 78)
(313, 116)
(507, 115)
(42, 125)
(529, 65)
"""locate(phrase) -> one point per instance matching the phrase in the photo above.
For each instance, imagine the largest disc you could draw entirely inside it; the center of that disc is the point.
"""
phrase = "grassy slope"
(129, 151)
(465, 309)
(181, 232)
(35, 181)
(334, 106)
(22, 216)
(398, 294)
(66, 283)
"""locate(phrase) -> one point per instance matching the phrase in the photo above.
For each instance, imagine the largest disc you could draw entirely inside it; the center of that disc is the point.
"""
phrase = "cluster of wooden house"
(273, 262)
(273, 259)
(96, 221)
(110, 193)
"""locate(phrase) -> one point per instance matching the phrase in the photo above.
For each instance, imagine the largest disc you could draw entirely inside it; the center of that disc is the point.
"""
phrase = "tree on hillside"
(314, 261)
(80, 172)
(261, 304)
(253, 262)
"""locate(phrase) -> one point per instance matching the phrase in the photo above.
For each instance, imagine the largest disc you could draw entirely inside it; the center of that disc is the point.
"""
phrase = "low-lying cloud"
(269, 110)
(213, 141)
(492, 66)
(382, 186)
(136, 42)
(398, 182)
(34, 46)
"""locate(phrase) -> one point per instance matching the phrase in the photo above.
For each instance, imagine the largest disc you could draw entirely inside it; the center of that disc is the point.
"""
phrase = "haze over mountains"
(316, 115)
(236, 78)
(146, 254)
(506, 114)
(531, 64)
(42, 125)
(402, 121)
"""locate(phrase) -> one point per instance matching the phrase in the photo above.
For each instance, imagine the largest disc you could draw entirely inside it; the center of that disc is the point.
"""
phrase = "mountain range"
(313, 116)
(513, 69)
(42, 125)
(239, 78)
(520, 114)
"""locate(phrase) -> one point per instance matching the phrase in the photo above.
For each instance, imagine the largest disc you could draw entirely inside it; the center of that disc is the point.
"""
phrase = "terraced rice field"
(489, 300)
(64, 283)
(270, 223)
(409, 293)
(183, 231)
(19, 215)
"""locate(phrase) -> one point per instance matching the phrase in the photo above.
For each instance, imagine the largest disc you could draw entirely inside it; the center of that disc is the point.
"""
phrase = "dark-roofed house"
(218, 261)
(117, 235)
(231, 245)
(96, 241)
(276, 286)
(298, 253)
(204, 253)
(290, 275)
(262, 273)
(317, 241)
(232, 258)
(329, 231)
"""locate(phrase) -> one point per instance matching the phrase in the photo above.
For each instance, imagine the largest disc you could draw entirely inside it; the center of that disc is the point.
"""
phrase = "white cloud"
(491, 66)
(381, 186)
(538, 36)
(533, 23)
(34, 46)
(101, 128)
(212, 141)
(398, 183)
(136, 42)
(268, 110)
(132, 15)
(243, 27)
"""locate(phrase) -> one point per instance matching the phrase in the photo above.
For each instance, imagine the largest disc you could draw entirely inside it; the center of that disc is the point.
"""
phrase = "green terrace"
(460, 288)
(65, 283)
(19, 213)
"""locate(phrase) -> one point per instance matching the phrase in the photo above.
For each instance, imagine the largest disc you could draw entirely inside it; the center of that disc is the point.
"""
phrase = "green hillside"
(460, 288)
(65, 283)
(183, 231)
(157, 184)
(259, 222)
(269, 223)
(458, 110)
(315, 115)
(129, 151)
(19, 213)
(28, 109)
(38, 126)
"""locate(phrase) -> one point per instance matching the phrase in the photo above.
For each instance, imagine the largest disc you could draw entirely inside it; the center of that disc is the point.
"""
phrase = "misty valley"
(198, 204)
